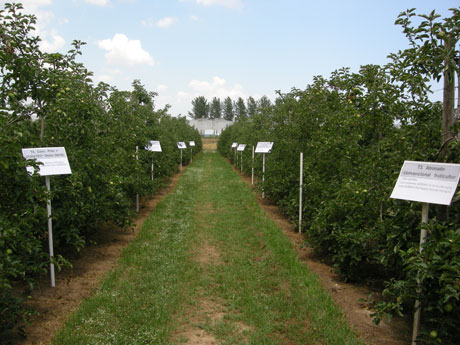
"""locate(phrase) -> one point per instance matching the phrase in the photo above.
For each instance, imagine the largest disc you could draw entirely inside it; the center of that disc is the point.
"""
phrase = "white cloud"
(194, 18)
(122, 51)
(98, 2)
(216, 88)
(233, 4)
(52, 42)
(166, 22)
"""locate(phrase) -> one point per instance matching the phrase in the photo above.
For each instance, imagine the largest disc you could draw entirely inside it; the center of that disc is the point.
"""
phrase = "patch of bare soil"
(73, 285)
(346, 296)
(210, 144)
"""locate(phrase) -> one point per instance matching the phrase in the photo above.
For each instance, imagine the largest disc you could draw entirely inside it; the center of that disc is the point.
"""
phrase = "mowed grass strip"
(265, 294)
(151, 281)
(267, 291)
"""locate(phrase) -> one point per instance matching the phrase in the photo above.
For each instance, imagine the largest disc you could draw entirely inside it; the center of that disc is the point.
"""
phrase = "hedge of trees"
(355, 130)
(49, 100)
(226, 109)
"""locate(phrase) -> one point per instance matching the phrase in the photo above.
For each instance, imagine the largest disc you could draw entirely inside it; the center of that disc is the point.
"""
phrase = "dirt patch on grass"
(210, 144)
(73, 285)
(205, 311)
(347, 296)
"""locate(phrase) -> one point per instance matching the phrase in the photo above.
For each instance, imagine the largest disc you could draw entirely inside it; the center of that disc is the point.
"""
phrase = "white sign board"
(234, 145)
(433, 183)
(241, 147)
(154, 146)
(191, 143)
(53, 160)
(264, 147)
(181, 145)
(208, 132)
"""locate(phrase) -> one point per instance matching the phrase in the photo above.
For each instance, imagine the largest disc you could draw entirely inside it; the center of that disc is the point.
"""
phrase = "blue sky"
(218, 48)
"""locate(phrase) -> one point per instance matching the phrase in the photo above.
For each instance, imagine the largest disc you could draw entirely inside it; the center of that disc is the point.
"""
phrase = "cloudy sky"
(238, 48)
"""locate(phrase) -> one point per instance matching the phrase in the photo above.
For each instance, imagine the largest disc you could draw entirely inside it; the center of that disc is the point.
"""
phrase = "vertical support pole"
(137, 194)
(50, 232)
(180, 159)
(191, 154)
(263, 176)
(300, 192)
(151, 169)
(252, 169)
(241, 161)
(418, 305)
(236, 156)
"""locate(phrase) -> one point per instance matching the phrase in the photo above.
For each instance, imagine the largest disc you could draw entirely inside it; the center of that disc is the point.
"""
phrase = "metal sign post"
(300, 192)
(53, 162)
(234, 146)
(50, 232)
(241, 148)
(263, 147)
(151, 170)
(181, 146)
(191, 144)
(153, 146)
(425, 182)
(252, 169)
(263, 176)
(137, 194)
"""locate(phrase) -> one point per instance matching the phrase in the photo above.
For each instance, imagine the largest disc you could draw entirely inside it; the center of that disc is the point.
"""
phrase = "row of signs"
(54, 161)
(418, 181)
(181, 145)
(262, 147)
(427, 182)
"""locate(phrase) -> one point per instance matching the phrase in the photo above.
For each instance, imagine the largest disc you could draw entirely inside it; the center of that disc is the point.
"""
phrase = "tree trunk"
(448, 102)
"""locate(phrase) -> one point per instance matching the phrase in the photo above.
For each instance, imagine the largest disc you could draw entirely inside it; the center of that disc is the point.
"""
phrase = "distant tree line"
(227, 109)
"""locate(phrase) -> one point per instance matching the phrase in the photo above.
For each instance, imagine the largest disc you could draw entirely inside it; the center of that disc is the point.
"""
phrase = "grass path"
(208, 267)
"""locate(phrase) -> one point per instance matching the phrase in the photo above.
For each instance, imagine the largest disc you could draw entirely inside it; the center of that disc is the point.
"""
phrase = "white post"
(418, 305)
(263, 176)
(137, 195)
(300, 192)
(50, 232)
(151, 170)
(252, 169)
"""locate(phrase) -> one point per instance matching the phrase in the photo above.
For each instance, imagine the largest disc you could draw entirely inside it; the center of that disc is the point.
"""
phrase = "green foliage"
(49, 100)
(200, 108)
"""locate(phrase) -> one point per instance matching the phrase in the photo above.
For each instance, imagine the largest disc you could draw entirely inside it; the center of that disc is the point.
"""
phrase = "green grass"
(267, 296)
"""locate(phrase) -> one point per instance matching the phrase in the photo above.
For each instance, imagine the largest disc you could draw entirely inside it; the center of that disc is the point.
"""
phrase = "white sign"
(264, 147)
(154, 146)
(241, 147)
(191, 143)
(53, 160)
(181, 145)
(427, 182)
(234, 145)
(208, 132)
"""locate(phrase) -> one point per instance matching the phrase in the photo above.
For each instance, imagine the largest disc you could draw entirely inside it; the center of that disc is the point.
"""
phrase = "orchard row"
(355, 131)
(49, 100)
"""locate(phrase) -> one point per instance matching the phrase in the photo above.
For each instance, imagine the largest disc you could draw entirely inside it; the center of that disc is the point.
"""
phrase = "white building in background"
(209, 127)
